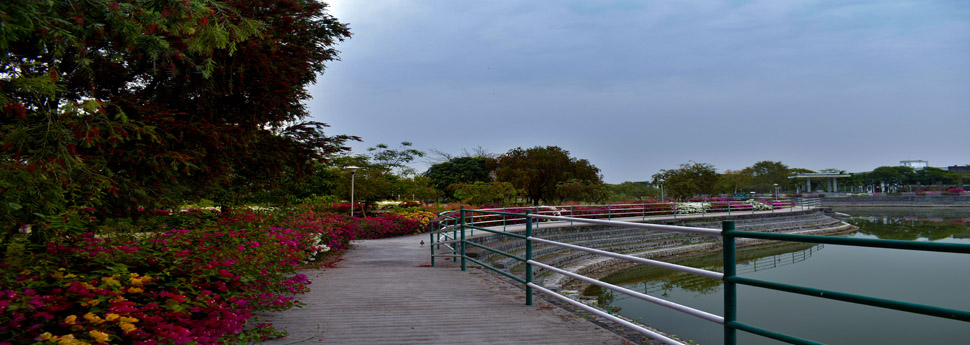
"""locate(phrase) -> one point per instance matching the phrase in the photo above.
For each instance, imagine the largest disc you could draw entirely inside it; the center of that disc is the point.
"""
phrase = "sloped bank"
(642, 243)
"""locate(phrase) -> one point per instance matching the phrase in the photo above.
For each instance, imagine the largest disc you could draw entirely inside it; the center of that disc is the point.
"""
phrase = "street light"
(661, 189)
(353, 171)
(776, 191)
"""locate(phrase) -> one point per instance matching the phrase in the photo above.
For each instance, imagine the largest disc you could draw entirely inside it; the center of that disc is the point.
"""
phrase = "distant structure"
(915, 164)
(960, 169)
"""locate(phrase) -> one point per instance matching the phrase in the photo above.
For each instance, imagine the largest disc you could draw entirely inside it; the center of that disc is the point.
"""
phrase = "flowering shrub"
(692, 207)
(199, 285)
(176, 286)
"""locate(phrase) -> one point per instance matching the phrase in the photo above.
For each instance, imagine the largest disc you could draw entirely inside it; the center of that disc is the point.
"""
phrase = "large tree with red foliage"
(140, 103)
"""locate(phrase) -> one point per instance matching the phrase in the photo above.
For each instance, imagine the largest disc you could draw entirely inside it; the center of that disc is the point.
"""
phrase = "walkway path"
(384, 293)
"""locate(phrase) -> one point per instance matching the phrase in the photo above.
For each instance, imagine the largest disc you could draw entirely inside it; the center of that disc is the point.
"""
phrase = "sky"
(639, 86)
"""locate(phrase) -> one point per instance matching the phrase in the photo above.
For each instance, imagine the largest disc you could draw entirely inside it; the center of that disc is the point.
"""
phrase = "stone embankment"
(640, 242)
(899, 201)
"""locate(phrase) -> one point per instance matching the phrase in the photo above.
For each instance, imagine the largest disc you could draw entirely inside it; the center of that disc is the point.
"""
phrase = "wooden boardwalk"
(383, 292)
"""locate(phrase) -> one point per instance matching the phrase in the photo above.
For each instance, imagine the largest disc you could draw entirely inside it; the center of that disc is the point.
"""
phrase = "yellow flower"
(90, 303)
(99, 336)
(93, 318)
(111, 281)
(139, 281)
(70, 275)
(62, 269)
(70, 319)
(127, 327)
(135, 290)
(70, 340)
(46, 336)
(58, 275)
(128, 319)
(111, 317)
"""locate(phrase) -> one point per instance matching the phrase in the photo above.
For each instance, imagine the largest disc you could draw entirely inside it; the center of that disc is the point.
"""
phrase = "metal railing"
(630, 211)
(456, 241)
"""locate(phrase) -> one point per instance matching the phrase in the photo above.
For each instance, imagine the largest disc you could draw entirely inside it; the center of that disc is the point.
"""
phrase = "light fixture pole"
(776, 191)
(353, 171)
(661, 189)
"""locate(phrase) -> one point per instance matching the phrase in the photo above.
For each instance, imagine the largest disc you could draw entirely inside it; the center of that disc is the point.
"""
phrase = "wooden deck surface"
(383, 292)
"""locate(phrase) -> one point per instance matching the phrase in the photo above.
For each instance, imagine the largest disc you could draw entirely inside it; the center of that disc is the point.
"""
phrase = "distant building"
(918, 165)
(960, 169)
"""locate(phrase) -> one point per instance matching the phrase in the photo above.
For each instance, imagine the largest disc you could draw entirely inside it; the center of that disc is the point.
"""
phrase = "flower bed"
(197, 285)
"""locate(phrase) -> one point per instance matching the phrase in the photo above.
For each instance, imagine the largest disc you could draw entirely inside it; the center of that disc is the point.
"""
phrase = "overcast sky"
(639, 86)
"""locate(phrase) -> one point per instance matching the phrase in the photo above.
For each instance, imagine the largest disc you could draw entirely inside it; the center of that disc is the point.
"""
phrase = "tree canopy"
(142, 103)
(458, 170)
(538, 170)
(689, 180)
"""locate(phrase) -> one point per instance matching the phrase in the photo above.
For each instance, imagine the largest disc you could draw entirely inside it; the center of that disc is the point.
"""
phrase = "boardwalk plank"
(383, 293)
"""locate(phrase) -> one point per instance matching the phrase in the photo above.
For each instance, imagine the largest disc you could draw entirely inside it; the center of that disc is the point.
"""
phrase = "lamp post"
(661, 189)
(776, 191)
(353, 171)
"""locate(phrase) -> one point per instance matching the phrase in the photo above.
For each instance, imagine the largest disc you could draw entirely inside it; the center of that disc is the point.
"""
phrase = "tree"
(395, 160)
(142, 103)
(935, 176)
(418, 188)
(733, 181)
(580, 190)
(765, 174)
(537, 171)
(632, 191)
(459, 170)
(486, 193)
(891, 177)
(689, 180)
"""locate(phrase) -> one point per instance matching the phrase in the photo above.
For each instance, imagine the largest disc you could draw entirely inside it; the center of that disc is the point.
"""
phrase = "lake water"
(937, 279)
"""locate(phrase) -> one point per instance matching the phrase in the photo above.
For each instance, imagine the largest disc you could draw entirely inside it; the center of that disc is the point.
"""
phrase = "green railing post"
(609, 212)
(431, 242)
(643, 211)
(730, 288)
(462, 243)
(528, 257)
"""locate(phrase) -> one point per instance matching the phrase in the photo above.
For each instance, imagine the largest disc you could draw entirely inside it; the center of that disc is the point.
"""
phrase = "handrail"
(727, 233)
(490, 216)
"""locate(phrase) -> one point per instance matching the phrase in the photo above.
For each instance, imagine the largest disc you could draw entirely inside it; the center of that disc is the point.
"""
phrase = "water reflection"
(658, 282)
(938, 279)
(912, 228)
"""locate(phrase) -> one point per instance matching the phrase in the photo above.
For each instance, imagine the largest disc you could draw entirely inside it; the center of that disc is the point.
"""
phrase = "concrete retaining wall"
(900, 201)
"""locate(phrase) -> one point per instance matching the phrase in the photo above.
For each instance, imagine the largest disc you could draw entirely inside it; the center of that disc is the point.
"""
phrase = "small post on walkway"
(454, 236)
(462, 243)
(571, 214)
(431, 242)
(730, 288)
(528, 257)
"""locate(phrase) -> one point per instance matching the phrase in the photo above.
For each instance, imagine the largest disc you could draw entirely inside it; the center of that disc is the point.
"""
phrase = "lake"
(937, 279)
